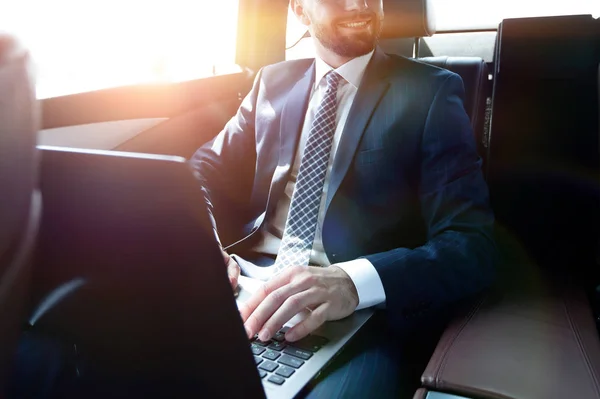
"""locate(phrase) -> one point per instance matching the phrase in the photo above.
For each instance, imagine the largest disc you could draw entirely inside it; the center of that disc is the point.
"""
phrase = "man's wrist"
(350, 287)
(366, 280)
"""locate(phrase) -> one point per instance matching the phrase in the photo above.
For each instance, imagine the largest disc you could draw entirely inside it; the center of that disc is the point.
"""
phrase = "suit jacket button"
(333, 255)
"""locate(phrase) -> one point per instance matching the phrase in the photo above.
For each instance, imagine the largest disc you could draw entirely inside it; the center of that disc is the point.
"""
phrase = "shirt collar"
(352, 71)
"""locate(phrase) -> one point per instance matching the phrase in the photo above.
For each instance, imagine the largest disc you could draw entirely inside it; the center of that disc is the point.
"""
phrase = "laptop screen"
(154, 300)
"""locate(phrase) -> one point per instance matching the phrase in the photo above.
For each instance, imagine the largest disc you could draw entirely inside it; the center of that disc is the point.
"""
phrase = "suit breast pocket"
(370, 157)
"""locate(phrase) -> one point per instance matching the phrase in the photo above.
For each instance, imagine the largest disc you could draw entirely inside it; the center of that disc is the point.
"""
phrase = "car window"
(81, 45)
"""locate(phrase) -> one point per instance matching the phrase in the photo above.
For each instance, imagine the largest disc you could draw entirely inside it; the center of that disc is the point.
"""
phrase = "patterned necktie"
(301, 224)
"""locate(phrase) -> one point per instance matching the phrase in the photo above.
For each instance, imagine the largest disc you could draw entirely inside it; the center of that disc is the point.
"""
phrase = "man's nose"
(356, 5)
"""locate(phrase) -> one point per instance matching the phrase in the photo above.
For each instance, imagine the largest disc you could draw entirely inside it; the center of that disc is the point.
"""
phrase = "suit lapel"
(292, 121)
(373, 87)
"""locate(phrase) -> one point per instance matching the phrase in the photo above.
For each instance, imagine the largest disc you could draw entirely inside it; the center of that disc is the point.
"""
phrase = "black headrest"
(408, 18)
(549, 47)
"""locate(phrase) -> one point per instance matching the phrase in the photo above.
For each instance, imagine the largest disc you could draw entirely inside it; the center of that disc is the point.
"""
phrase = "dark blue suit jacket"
(406, 189)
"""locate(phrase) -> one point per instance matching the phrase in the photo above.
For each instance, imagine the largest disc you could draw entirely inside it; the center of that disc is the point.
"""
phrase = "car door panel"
(101, 135)
(183, 134)
(167, 119)
(141, 101)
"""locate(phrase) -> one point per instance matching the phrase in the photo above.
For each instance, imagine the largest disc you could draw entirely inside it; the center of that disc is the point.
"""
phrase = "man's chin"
(354, 50)
(349, 46)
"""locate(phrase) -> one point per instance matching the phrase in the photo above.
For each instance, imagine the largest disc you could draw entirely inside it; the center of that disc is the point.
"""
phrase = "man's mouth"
(356, 24)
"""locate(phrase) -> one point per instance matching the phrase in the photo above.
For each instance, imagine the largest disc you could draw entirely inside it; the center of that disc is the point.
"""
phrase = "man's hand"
(233, 270)
(328, 293)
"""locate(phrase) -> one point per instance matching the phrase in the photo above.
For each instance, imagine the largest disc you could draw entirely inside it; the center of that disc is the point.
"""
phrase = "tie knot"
(333, 80)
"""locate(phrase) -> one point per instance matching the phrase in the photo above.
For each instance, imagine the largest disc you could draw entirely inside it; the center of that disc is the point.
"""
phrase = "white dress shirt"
(361, 271)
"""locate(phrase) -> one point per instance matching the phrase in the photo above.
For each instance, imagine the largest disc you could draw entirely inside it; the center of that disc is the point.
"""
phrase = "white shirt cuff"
(367, 281)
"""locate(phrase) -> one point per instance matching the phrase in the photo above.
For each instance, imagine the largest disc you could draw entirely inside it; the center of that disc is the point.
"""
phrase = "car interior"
(532, 87)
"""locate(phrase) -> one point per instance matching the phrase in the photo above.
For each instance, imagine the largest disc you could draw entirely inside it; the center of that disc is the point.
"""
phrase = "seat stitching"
(476, 99)
(453, 340)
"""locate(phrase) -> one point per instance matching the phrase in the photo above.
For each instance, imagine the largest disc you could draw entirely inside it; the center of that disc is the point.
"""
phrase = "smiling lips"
(356, 25)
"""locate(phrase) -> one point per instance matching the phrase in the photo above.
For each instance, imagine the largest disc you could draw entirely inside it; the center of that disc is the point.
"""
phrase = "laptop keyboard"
(277, 359)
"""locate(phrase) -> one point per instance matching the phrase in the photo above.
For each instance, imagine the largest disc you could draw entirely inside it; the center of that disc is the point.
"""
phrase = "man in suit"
(351, 181)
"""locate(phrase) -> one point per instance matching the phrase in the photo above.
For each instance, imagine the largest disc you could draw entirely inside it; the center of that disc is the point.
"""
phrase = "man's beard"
(350, 46)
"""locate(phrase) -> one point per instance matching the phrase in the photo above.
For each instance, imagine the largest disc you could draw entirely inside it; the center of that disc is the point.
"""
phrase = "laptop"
(152, 295)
